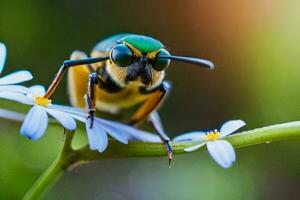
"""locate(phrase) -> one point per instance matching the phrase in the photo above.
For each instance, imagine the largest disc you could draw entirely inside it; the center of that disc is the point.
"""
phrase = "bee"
(124, 70)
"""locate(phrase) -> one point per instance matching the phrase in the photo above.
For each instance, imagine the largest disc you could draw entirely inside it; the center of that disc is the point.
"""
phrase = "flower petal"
(97, 137)
(16, 97)
(222, 152)
(193, 148)
(65, 119)
(79, 118)
(35, 123)
(37, 90)
(133, 133)
(69, 109)
(15, 116)
(14, 88)
(16, 77)
(114, 132)
(2, 56)
(192, 136)
(231, 126)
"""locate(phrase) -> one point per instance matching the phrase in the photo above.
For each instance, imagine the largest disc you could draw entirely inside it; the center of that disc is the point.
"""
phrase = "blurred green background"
(255, 47)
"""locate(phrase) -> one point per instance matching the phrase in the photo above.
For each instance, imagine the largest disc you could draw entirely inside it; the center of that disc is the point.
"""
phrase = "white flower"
(7, 82)
(220, 150)
(36, 121)
(97, 135)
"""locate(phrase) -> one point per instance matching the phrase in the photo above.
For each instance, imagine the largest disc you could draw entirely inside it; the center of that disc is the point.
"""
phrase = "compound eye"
(160, 64)
(121, 55)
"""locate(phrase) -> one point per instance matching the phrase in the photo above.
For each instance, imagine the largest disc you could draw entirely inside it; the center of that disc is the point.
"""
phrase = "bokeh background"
(255, 47)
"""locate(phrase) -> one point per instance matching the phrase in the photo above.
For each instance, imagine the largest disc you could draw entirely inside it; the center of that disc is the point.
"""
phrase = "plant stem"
(44, 182)
(66, 158)
(267, 134)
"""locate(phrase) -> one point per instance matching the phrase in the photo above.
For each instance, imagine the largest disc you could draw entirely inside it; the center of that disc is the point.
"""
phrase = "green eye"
(161, 63)
(121, 55)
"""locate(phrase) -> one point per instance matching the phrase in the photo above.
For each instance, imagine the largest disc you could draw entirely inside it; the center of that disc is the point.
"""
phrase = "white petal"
(192, 136)
(2, 56)
(97, 137)
(16, 77)
(35, 123)
(114, 132)
(16, 97)
(65, 119)
(130, 132)
(15, 116)
(79, 118)
(193, 148)
(222, 152)
(133, 133)
(231, 126)
(69, 109)
(14, 88)
(37, 90)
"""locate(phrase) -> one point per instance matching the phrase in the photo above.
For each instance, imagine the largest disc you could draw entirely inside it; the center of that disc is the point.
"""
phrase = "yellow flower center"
(212, 135)
(42, 101)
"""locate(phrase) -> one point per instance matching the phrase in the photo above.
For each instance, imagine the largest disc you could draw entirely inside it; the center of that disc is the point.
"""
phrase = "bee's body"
(115, 94)
(111, 102)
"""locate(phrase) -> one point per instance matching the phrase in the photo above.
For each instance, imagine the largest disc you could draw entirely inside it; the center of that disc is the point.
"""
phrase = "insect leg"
(157, 124)
(64, 68)
(157, 96)
(90, 97)
(149, 109)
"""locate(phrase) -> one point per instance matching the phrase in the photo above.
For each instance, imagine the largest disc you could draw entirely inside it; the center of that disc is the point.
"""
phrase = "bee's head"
(141, 59)
(134, 59)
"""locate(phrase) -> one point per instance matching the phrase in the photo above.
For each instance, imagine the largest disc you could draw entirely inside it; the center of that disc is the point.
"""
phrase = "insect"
(124, 70)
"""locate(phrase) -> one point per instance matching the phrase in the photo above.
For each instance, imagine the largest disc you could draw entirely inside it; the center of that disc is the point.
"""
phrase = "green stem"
(47, 179)
(66, 158)
(272, 133)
